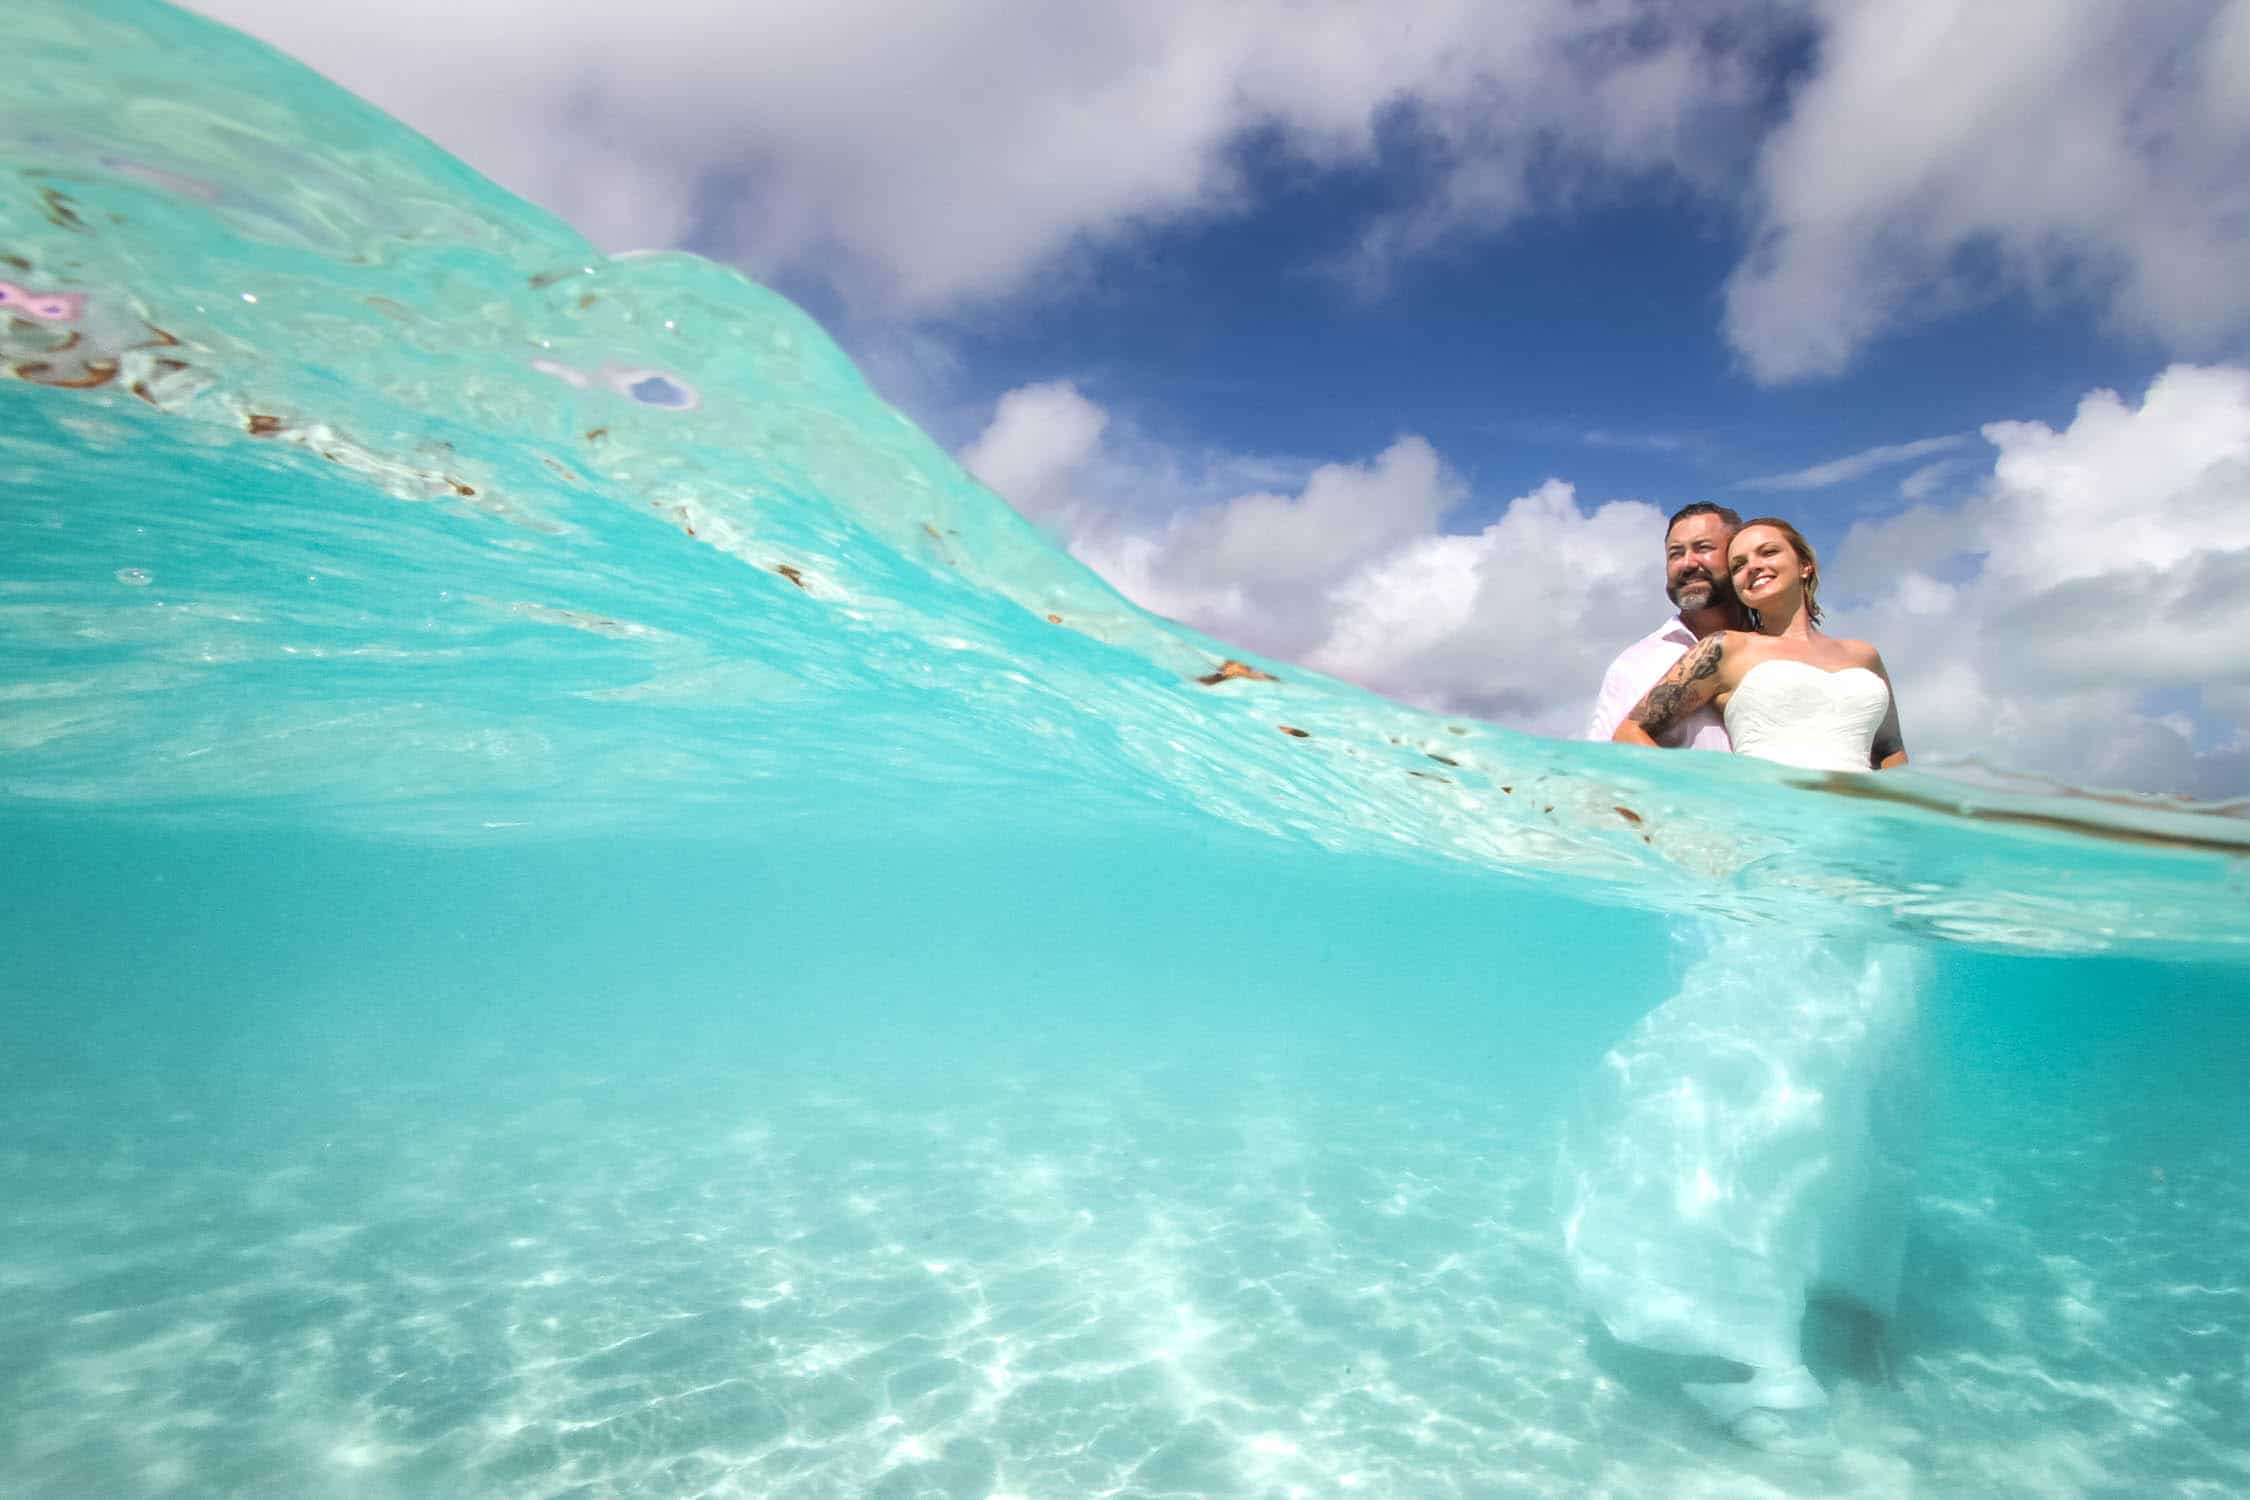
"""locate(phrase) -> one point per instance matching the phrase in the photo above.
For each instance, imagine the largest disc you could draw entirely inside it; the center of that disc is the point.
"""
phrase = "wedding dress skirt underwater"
(1749, 1146)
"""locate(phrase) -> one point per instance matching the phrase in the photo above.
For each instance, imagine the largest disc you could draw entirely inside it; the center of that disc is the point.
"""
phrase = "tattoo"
(1681, 689)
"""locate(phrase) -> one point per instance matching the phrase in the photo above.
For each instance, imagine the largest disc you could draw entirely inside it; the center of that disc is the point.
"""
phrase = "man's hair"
(1703, 508)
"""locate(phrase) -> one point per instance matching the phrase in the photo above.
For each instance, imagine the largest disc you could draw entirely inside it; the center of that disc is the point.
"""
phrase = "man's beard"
(1715, 593)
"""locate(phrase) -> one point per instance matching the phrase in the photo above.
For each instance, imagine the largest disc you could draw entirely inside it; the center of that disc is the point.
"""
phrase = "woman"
(1824, 705)
(1748, 1149)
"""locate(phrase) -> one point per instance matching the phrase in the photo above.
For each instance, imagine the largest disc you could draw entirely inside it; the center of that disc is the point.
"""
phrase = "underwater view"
(586, 915)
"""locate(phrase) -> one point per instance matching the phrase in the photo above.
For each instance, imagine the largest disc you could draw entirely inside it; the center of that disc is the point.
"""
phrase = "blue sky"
(1381, 338)
(1585, 343)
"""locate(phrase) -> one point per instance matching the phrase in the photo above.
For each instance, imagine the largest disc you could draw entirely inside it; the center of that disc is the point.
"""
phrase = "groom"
(1695, 576)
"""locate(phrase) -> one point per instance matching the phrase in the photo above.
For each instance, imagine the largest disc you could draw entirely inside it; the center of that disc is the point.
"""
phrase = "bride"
(1748, 1148)
(1827, 706)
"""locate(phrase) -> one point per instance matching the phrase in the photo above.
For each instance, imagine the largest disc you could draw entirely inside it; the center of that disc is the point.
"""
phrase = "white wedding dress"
(1750, 1145)
(1795, 713)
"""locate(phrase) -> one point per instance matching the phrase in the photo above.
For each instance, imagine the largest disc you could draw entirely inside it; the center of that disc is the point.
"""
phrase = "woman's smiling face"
(1764, 566)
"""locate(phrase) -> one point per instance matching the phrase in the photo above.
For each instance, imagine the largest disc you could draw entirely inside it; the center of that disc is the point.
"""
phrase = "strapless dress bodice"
(1796, 713)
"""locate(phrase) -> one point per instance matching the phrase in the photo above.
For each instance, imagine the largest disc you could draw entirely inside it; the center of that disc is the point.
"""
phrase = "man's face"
(1695, 562)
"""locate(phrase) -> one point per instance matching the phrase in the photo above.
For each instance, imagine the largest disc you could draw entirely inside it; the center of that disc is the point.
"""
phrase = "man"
(1695, 578)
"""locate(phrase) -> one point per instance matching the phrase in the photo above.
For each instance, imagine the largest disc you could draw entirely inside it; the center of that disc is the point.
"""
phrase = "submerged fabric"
(1749, 1144)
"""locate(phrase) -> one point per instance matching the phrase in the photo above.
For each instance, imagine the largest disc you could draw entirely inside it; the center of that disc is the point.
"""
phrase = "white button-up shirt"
(1635, 671)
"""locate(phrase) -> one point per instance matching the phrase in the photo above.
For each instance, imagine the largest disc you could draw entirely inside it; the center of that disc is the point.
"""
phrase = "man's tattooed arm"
(1691, 683)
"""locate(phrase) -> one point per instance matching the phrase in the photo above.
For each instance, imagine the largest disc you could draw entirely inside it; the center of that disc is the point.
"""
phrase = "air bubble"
(655, 388)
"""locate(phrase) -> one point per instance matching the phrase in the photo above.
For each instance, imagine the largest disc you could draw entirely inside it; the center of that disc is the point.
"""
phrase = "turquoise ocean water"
(581, 914)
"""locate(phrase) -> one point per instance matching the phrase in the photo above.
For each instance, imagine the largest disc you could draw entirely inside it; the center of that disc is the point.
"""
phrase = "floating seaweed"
(1230, 669)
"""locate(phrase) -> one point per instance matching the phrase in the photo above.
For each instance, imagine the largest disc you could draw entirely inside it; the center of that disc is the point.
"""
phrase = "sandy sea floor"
(1224, 1280)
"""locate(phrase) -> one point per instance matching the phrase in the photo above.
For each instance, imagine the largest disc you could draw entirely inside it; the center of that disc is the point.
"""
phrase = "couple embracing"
(1740, 1170)
(1743, 666)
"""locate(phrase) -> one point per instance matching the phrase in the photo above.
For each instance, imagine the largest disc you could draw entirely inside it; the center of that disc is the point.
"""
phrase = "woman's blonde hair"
(1804, 553)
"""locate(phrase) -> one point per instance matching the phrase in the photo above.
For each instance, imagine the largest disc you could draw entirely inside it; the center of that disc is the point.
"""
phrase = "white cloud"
(1854, 465)
(1946, 149)
(1516, 622)
(1926, 480)
(1636, 442)
(924, 155)
(1040, 438)
(2097, 566)
(1258, 569)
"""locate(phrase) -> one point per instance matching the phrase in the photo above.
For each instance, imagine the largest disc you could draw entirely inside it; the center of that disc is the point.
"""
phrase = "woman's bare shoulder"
(1859, 653)
(1739, 651)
